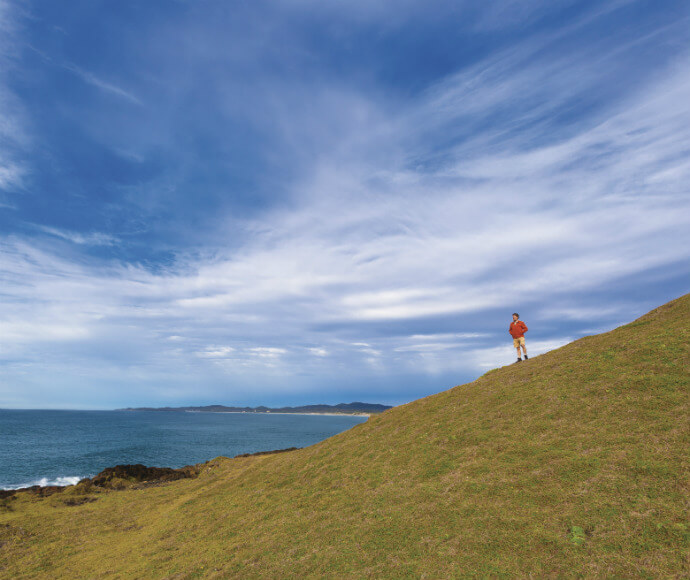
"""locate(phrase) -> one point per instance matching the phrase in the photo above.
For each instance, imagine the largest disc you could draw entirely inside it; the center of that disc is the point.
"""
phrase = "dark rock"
(72, 501)
(267, 452)
(125, 476)
(6, 503)
(112, 477)
(118, 477)
(40, 491)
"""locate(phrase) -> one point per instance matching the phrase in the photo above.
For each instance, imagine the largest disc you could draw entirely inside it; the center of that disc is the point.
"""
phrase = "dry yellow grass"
(574, 464)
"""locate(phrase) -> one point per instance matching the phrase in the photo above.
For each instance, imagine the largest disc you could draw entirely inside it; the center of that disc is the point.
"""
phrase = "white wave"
(44, 481)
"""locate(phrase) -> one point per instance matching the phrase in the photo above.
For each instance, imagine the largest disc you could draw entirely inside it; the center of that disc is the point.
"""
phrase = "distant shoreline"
(357, 409)
(279, 413)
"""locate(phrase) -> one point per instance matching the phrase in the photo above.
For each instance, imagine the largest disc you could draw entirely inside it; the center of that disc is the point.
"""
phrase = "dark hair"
(516, 314)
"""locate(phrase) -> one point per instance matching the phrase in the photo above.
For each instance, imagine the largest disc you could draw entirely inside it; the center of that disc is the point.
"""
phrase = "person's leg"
(516, 344)
(524, 348)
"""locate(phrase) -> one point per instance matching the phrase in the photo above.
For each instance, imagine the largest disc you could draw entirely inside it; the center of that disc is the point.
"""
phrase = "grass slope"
(573, 464)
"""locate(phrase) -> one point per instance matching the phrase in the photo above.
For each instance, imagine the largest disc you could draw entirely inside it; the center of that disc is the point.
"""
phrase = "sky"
(290, 202)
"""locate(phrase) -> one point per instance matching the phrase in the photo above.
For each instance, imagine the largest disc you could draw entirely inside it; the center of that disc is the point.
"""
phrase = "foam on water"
(44, 481)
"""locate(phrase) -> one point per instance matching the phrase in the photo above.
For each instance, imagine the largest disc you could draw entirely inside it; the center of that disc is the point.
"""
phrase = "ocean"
(62, 447)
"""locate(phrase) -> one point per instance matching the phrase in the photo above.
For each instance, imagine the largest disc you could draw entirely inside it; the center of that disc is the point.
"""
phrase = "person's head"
(516, 316)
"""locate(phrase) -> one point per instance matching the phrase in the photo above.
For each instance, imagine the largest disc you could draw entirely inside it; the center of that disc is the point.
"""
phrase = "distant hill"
(573, 464)
(355, 408)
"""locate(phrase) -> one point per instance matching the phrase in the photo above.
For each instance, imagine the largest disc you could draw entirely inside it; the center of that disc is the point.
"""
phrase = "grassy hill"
(572, 464)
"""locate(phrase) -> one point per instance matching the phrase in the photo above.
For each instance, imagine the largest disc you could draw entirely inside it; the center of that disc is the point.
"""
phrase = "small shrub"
(577, 535)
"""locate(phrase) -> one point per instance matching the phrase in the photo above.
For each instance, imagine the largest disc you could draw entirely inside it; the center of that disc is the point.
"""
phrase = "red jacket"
(517, 329)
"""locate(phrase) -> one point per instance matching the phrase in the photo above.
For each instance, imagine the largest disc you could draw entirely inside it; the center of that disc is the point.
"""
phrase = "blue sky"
(297, 202)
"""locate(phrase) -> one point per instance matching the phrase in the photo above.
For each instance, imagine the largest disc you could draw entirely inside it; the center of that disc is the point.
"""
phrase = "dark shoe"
(519, 360)
(526, 357)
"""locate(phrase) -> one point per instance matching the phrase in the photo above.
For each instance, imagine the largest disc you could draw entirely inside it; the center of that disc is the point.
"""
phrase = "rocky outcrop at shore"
(127, 477)
(112, 477)
(118, 477)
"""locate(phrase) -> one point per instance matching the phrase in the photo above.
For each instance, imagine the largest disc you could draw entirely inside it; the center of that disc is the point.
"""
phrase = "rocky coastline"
(119, 477)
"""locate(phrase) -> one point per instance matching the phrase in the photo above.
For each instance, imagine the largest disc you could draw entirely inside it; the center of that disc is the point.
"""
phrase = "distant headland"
(355, 408)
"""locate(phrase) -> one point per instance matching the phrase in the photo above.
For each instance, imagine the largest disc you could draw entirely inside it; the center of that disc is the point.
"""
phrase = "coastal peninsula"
(356, 408)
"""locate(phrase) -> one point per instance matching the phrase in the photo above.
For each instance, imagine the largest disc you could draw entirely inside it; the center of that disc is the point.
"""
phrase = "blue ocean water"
(61, 447)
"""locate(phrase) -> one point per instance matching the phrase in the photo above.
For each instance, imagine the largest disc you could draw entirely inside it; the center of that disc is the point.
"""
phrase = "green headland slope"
(575, 463)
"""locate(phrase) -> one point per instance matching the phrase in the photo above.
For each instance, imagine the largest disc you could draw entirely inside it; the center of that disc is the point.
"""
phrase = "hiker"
(517, 330)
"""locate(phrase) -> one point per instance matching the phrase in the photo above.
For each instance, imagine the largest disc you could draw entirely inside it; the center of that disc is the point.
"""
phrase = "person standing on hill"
(517, 330)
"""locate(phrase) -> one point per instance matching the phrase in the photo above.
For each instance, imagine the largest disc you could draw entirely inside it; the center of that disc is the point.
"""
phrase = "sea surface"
(62, 447)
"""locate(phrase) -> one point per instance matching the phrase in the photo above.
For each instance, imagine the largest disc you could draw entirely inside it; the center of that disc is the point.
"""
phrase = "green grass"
(574, 464)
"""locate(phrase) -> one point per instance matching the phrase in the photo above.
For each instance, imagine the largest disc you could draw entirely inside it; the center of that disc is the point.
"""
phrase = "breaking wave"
(44, 481)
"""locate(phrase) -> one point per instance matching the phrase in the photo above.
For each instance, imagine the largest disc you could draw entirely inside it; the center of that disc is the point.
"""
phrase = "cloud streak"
(106, 87)
(12, 133)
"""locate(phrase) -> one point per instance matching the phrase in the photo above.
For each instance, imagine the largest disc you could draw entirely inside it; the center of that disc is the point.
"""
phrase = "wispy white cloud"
(216, 352)
(316, 351)
(90, 239)
(10, 175)
(106, 87)
(12, 127)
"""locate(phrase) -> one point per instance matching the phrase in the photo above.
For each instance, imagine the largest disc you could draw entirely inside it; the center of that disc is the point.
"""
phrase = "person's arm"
(524, 327)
